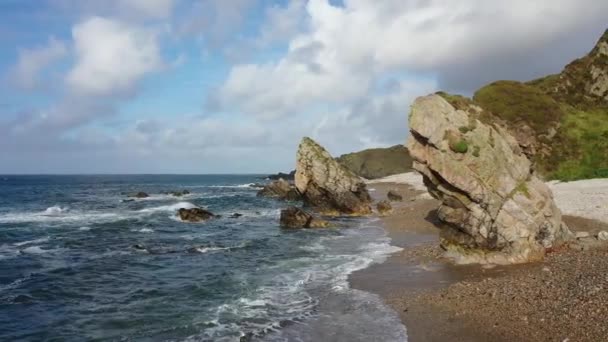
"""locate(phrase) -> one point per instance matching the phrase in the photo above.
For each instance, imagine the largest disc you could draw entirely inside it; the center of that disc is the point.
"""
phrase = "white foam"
(170, 207)
(23, 243)
(287, 294)
(55, 210)
(65, 216)
(146, 230)
(85, 228)
(215, 249)
(210, 249)
(34, 250)
(238, 186)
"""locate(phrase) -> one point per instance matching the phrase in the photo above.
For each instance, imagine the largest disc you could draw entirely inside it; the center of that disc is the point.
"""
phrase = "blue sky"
(215, 86)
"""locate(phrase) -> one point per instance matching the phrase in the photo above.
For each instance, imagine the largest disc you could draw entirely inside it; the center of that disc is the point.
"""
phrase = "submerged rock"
(294, 217)
(140, 194)
(327, 185)
(235, 215)
(494, 209)
(384, 207)
(280, 189)
(179, 193)
(194, 214)
(394, 196)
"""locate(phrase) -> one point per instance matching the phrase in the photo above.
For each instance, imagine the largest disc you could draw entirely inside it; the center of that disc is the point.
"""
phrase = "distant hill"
(378, 162)
(560, 121)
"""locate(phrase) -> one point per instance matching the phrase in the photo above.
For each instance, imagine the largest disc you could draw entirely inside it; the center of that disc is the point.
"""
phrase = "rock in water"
(384, 207)
(293, 217)
(328, 186)
(494, 209)
(280, 189)
(394, 196)
(140, 194)
(194, 214)
(282, 175)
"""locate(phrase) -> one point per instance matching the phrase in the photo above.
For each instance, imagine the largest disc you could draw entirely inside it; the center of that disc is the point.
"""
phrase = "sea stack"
(326, 185)
(493, 208)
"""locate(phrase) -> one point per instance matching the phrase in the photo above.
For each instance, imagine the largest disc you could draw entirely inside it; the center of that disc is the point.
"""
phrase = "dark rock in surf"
(140, 194)
(293, 217)
(280, 189)
(194, 214)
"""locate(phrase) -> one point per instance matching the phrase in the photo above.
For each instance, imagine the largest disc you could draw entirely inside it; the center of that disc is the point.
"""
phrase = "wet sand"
(564, 297)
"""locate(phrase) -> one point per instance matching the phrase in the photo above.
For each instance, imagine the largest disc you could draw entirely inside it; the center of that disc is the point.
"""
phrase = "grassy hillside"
(561, 121)
(378, 162)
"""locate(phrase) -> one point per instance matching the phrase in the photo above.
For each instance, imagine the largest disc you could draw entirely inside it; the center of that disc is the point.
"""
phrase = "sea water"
(80, 261)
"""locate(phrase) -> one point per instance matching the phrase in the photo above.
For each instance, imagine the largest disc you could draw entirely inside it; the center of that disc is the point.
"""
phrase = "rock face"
(494, 209)
(280, 189)
(586, 79)
(194, 214)
(293, 217)
(327, 185)
(384, 207)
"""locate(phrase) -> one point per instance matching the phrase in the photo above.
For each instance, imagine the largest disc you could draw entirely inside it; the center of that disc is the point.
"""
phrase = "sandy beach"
(563, 298)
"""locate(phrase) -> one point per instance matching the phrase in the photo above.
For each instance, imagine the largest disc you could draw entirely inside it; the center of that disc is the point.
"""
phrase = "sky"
(231, 86)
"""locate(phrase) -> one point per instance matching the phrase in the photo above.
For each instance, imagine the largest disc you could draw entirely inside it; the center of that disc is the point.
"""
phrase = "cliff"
(378, 162)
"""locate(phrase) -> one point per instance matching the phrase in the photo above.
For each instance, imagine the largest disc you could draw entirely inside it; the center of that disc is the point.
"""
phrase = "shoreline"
(439, 301)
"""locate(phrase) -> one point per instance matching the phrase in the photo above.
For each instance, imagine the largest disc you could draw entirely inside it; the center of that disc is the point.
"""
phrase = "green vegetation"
(460, 146)
(521, 187)
(568, 123)
(457, 101)
(517, 102)
(580, 150)
(378, 162)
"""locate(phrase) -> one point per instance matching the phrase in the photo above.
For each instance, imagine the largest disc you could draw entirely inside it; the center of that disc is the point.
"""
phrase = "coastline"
(554, 300)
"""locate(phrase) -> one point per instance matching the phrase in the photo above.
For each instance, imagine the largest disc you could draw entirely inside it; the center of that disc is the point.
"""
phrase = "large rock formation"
(378, 162)
(327, 185)
(494, 209)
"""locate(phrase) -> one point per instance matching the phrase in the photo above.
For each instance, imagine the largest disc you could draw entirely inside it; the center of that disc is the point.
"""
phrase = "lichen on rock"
(328, 186)
(494, 209)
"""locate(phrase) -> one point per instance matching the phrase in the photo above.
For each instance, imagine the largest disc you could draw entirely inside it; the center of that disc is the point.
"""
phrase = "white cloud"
(32, 62)
(346, 48)
(112, 56)
(283, 22)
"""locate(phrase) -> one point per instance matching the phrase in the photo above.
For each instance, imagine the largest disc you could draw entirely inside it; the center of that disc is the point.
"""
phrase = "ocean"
(78, 262)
